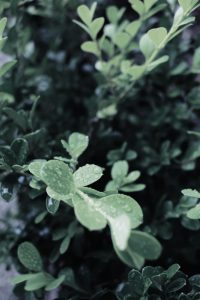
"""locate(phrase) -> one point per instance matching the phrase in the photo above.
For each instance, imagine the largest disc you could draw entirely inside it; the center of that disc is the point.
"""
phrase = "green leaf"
(158, 35)
(178, 17)
(133, 176)
(175, 285)
(136, 283)
(65, 198)
(65, 244)
(138, 6)
(117, 205)
(122, 39)
(6, 67)
(29, 256)
(196, 61)
(172, 270)
(129, 257)
(96, 26)
(119, 170)
(38, 282)
(87, 215)
(87, 175)
(136, 71)
(132, 188)
(21, 278)
(58, 177)
(36, 166)
(3, 22)
(114, 14)
(84, 27)
(191, 193)
(121, 230)
(194, 213)
(140, 246)
(185, 4)
(40, 217)
(20, 148)
(90, 47)
(149, 3)
(145, 245)
(76, 145)
(55, 283)
(157, 62)
(146, 45)
(133, 27)
(85, 14)
(52, 205)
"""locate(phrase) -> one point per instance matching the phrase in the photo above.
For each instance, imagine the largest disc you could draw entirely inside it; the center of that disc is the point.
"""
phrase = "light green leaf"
(133, 176)
(132, 188)
(29, 256)
(85, 14)
(57, 175)
(59, 197)
(84, 27)
(87, 215)
(36, 166)
(185, 4)
(114, 14)
(119, 170)
(40, 217)
(133, 27)
(78, 143)
(55, 283)
(136, 71)
(121, 230)
(87, 175)
(112, 186)
(138, 6)
(90, 47)
(178, 17)
(117, 205)
(191, 193)
(38, 282)
(158, 35)
(157, 62)
(125, 66)
(93, 193)
(122, 39)
(96, 26)
(149, 3)
(194, 213)
(21, 278)
(147, 46)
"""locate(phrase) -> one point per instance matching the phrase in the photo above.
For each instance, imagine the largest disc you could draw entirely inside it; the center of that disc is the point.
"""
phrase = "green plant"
(69, 221)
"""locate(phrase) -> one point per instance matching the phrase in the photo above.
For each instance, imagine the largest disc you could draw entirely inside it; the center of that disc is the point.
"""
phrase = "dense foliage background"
(54, 90)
